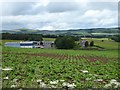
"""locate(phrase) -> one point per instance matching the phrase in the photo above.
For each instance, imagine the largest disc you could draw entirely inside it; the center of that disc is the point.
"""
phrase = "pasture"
(106, 43)
(48, 39)
(53, 68)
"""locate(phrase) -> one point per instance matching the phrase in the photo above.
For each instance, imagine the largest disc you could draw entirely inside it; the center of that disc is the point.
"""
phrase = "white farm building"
(31, 44)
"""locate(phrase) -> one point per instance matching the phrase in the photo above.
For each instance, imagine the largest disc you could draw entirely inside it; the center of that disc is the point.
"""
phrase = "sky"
(58, 14)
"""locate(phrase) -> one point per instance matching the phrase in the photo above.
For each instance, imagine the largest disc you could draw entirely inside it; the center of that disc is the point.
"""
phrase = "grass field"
(49, 39)
(107, 43)
(53, 68)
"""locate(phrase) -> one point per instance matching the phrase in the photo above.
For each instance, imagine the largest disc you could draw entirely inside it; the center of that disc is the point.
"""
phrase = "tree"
(52, 44)
(116, 38)
(65, 42)
(86, 44)
(41, 43)
(92, 43)
(102, 40)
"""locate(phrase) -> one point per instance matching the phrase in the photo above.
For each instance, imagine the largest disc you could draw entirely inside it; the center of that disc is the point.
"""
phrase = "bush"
(41, 43)
(92, 43)
(86, 44)
(65, 42)
(76, 38)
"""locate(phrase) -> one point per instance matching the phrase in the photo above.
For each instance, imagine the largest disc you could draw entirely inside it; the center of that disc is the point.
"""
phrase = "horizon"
(66, 29)
(59, 15)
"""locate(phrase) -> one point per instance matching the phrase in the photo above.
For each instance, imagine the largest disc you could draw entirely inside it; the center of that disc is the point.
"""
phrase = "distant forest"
(30, 37)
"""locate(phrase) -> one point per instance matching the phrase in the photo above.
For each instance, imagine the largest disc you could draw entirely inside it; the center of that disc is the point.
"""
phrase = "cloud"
(21, 8)
(48, 14)
(103, 5)
(54, 7)
(99, 13)
(100, 18)
(55, 26)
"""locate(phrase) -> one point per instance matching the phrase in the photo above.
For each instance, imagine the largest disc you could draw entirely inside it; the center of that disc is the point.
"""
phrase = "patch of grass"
(4, 41)
(49, 39)
(106, 43)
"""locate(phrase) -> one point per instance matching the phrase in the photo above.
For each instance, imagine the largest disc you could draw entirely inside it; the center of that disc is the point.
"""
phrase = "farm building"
(83, 43)
(31, 44)
(28, 44)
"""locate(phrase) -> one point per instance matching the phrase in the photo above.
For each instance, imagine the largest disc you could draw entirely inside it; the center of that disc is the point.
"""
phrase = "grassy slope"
(107, 43)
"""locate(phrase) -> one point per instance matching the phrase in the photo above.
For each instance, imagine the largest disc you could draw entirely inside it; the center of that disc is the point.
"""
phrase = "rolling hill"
(92, 31)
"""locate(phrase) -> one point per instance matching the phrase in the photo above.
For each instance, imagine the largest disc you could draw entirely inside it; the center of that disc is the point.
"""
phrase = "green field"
(48, 39)
(107, 43)
(53, 68)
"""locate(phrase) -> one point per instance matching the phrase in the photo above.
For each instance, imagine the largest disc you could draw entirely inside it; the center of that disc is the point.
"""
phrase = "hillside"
(92, 31)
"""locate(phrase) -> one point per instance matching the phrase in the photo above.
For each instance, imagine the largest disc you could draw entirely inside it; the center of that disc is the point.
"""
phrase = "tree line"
(29, 37)
(39, 37)
(116, 38)
(32, 37)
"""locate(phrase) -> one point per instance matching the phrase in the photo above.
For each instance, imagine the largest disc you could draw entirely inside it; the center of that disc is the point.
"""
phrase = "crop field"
(53, 68)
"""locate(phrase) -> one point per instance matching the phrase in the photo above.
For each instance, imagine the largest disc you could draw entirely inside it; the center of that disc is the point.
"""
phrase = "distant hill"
(92, 31)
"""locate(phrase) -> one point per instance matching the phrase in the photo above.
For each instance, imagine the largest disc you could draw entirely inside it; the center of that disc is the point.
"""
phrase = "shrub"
(92, 43)
(76, 38)
(65, 42)
(86, 44)
(102, 40)
(41, 43)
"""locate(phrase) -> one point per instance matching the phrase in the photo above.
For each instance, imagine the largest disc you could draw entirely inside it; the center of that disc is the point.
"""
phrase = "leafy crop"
(52, 68)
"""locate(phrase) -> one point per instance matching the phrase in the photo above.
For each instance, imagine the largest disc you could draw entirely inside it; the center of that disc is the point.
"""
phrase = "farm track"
(65, 57)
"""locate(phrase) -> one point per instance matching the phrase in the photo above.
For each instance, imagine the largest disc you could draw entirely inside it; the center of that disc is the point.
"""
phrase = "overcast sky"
(58, 14)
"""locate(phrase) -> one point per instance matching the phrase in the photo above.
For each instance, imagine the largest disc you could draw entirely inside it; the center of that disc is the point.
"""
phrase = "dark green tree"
(92, 43)
(86, 44)
(65, 42)
(41, 43)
